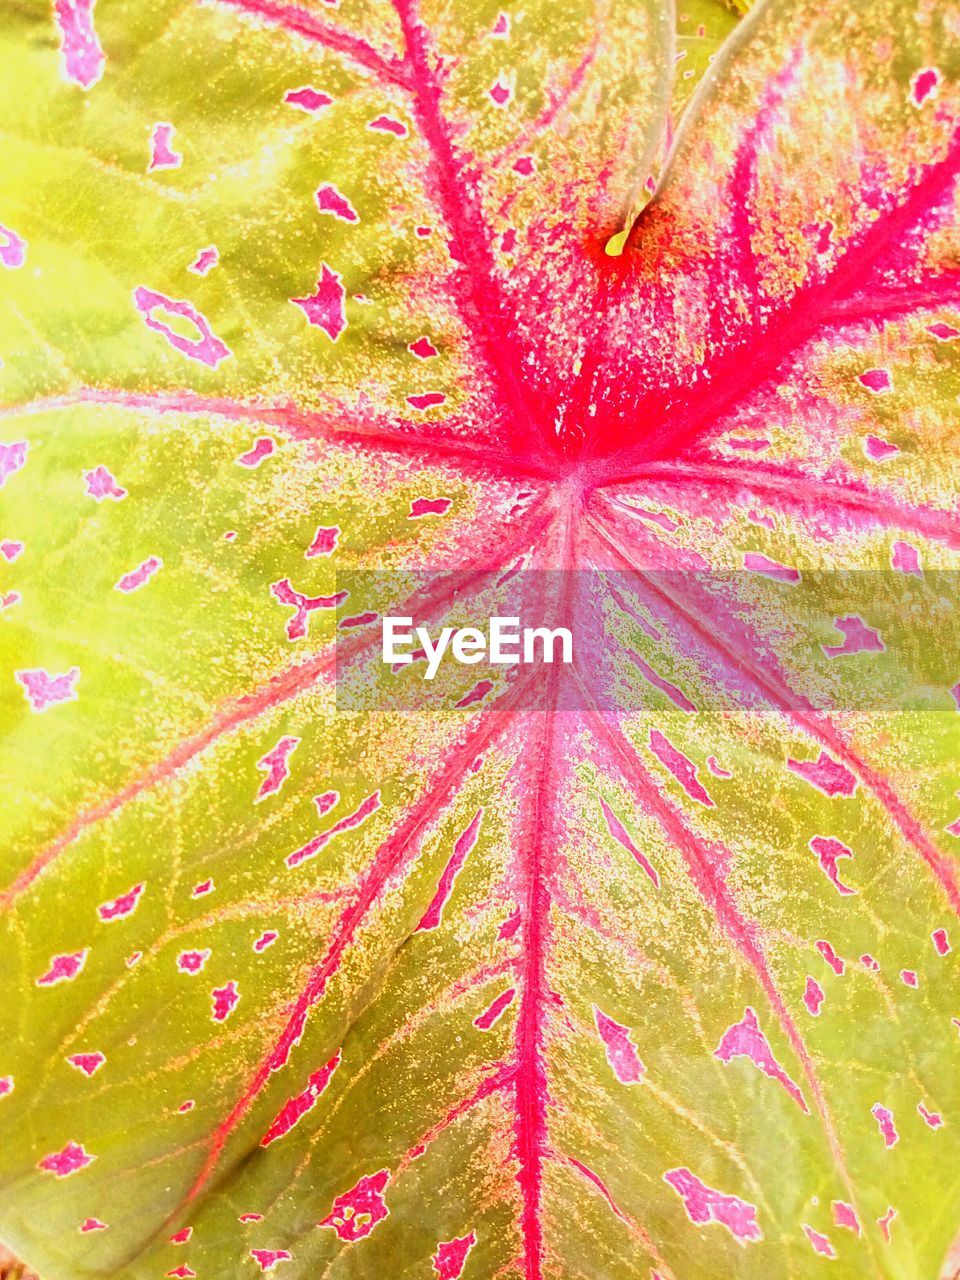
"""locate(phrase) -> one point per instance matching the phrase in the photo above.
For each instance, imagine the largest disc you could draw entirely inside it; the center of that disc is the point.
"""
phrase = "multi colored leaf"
(644, 965)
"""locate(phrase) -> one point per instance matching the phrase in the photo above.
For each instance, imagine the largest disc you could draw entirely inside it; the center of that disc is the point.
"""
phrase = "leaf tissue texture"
(641, 967)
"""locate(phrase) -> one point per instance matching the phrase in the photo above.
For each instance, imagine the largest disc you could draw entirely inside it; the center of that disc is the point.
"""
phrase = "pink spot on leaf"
(510, 925)
(80, 50)
(884, 1118)
(941, 942)
(429, 507)
(266, 939)
(623, 837)
(43, 689)
(10, 549)
(716, 769)
(88, 1063)
(744, 1039)
(225, 1000)
(250, 1217)
(331, 200)
(525, 166)
(356, 1212)
(352, 820)
(66, 1162)
(906, 559)
(297, 1107)
(326, 801)
(162, 154)
(6, 1086)
(621, 1053)
(813, 997)
(825, 774)
(308, 99)
(943, 332)
(451, 1256)
(267, 1259)
(463, 847)
(924, 84)
(92, 1224)
(359, 619)
(182, 1236)
(205, 261)
(205, 348)
(423, 349)
(500, 91)
(13, 254)
(324, 541)
(202, 889)
(140, 576)
(820, 1242)
(878, 450)
(833, 960)
(682, 768)
(64, 968)
(885, 1222)
(302, 605)
(757, 563)
(931, 1118)
(387, 124)
(909, 978)
(428, 400)
(876, 380)
(12, 458)
(489, 1016)
(703, 1204)
(326, 307)
(476, 694)
(193, 961)
(676, 696)
(749, 446)
(276, 765)
(262, 448)
(858, 638)
(101, 485)
(845, 1216)
(829, 851)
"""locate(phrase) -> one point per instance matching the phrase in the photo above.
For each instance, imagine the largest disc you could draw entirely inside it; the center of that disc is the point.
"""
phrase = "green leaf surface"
(641, 967)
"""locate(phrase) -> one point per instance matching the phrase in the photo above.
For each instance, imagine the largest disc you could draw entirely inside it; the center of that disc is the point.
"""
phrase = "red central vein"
(704, 623)
(476, 284)
(289, 684)
(539, 835)
(385, 65)
(531, 1078)
(392, 858)
(812, 495)
(706, 865)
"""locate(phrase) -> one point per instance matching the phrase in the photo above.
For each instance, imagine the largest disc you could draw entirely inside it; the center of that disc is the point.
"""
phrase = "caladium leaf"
(642, 966)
